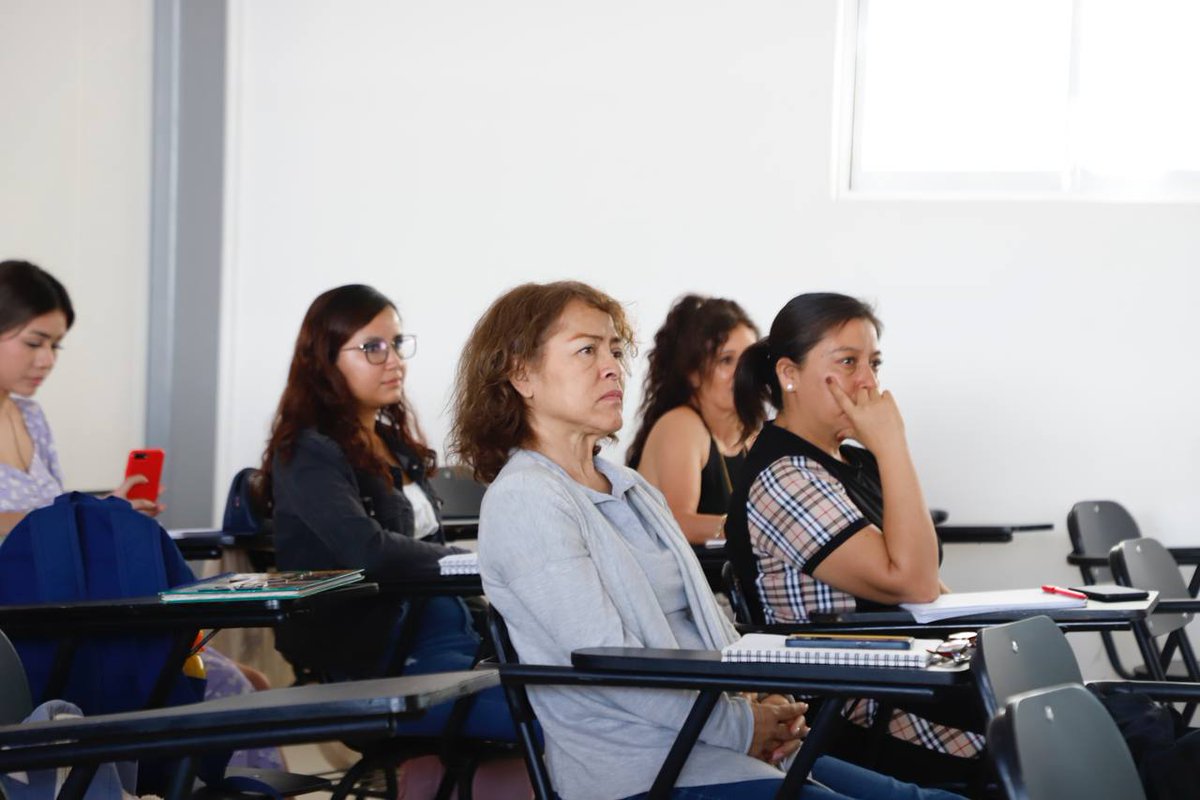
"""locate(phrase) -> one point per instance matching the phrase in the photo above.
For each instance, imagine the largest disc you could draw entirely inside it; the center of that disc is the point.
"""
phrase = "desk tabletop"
(999, 533)
(1095, 616)
(304, 713)
(435, 586)
(127, 614)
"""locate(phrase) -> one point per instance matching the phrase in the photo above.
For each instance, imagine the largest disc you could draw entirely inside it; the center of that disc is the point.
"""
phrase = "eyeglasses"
(376, 350)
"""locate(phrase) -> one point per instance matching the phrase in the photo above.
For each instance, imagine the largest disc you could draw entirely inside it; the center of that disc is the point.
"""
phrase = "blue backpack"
(84, 548)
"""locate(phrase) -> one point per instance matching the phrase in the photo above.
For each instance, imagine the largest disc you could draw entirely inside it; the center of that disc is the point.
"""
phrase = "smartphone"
(850, 641)
(150, 464)
(1108, 593)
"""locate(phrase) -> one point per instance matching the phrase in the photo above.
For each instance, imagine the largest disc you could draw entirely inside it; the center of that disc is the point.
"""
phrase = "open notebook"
(773, 648)
(963, 604)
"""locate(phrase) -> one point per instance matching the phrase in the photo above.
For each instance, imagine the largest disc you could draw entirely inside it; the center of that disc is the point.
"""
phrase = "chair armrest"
(1185, 556)
(1177, 606)
(1162, 691)
(1086, 560)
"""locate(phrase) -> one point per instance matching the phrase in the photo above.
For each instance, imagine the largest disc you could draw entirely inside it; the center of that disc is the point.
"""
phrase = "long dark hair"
(797, 329)
(687, 343)
(27, 291)
(317, 395)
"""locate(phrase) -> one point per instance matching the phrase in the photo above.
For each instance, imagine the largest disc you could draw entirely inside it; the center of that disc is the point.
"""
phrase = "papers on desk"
(459, 564)
(261, 586)
(773, 648)
(965, 604)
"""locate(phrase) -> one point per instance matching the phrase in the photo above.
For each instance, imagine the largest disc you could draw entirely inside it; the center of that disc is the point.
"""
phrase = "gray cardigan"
(563, 579)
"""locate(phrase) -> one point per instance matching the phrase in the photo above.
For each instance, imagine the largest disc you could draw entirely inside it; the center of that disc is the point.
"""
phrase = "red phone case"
(150, 464)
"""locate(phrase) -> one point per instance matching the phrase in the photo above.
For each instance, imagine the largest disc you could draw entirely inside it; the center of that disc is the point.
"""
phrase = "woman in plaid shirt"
(831, 527)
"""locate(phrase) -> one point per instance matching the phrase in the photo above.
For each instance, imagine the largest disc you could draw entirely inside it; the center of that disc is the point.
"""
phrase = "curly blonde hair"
(489, 416)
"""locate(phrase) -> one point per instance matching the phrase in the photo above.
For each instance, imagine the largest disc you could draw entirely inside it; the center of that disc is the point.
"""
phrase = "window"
(1052, 97)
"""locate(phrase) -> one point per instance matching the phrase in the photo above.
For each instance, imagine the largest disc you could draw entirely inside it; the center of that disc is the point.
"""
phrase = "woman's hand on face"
(874, 416)
(779, 728)
(148, 507)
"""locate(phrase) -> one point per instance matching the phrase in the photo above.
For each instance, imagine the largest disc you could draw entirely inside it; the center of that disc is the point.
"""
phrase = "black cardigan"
(328, 515)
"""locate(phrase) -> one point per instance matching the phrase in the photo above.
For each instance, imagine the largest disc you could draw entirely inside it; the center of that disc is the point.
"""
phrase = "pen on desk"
(1046, 587)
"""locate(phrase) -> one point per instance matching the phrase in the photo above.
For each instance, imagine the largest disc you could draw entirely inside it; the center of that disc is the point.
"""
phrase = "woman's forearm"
(907, 527)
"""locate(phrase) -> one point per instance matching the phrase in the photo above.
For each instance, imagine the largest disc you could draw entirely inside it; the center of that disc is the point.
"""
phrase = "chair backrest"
(460, 494)
(244, 511)
(1146, 564)
(523, 716)
(1097, 526)
(15, 700)
(1021, 657)
(1061, 744)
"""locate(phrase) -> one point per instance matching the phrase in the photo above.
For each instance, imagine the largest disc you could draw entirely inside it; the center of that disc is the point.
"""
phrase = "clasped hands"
(779, 727)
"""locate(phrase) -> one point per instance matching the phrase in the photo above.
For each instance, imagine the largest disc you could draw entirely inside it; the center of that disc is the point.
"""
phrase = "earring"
(788, 388)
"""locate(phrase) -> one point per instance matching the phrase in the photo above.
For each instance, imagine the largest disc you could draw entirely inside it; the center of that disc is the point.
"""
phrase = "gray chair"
(15, 700)
(1061, 744)
(1020, 657)
(16, 703)
(1146, 564)
(1095, 527)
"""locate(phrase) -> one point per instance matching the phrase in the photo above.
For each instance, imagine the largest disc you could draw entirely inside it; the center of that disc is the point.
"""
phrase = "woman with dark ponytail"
(822, 526)
(691, 445)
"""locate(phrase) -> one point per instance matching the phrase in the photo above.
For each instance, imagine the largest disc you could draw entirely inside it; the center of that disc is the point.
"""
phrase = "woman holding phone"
(35, 315)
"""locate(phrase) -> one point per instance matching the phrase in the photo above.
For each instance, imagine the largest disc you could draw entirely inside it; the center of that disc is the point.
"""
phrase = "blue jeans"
(837, 780)
(445, 642)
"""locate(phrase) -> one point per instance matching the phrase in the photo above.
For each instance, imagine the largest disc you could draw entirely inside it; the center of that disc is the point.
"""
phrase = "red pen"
(1046, 587)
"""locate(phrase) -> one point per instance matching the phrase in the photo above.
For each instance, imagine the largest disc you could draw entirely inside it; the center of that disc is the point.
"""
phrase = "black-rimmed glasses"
(376, 350)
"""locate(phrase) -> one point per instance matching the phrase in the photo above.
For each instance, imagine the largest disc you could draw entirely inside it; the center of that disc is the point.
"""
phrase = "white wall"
(75, 79)
(446, 151)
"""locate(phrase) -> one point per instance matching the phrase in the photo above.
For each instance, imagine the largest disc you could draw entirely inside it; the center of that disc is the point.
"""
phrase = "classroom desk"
(69, 621)
(364, 709)
(986, 534)
(1184, 556)
(1095, 616)
(201, 544)
(435, 586)
(455, 528)
(703, 671)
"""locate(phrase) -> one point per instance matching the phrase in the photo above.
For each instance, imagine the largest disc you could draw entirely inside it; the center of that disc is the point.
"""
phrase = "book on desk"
(773, 648)
(261, 585)
(966, 604)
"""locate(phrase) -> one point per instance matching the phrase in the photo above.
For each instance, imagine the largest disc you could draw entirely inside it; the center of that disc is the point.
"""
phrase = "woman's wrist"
(719, 533)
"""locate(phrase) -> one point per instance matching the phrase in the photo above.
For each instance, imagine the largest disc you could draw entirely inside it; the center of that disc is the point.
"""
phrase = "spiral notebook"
(773, 648)
(459, 564)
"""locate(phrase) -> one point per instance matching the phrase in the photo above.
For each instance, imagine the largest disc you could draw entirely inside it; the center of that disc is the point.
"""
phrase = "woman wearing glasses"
(346, 470)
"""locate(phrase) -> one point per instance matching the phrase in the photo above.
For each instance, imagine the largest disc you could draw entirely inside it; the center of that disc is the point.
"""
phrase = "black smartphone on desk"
(1111, 593)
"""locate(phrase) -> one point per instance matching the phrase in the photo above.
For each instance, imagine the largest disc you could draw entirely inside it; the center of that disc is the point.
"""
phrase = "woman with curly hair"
(691, 444)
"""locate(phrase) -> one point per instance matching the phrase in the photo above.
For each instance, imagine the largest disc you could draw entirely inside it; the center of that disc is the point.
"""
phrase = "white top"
(425, 522)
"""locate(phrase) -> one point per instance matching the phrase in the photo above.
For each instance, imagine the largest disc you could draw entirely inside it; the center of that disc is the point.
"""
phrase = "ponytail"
(754, 385)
